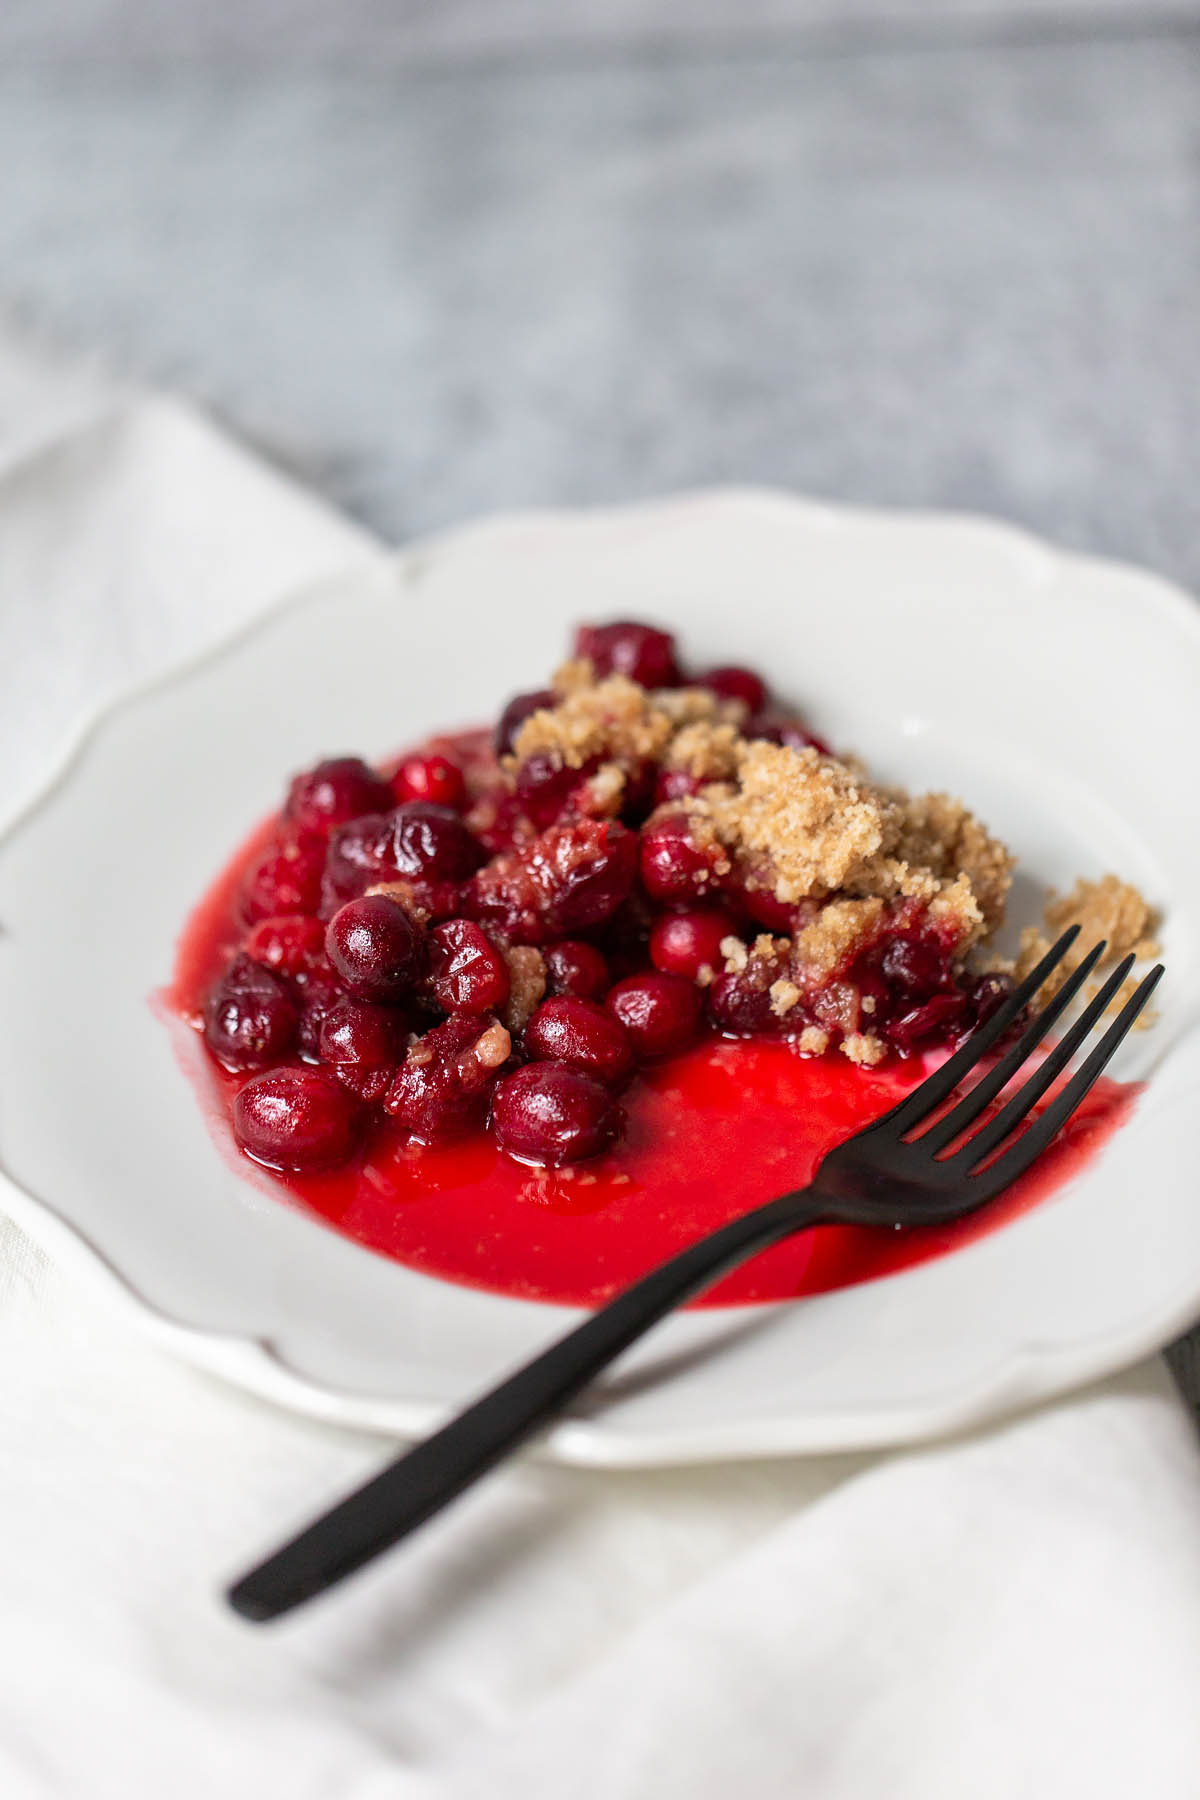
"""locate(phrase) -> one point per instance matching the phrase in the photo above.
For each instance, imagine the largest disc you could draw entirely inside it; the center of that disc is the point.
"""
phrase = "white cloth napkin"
(1013, 1614)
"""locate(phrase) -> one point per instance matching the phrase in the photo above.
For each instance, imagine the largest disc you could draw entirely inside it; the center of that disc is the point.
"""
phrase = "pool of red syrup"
(712, 1133)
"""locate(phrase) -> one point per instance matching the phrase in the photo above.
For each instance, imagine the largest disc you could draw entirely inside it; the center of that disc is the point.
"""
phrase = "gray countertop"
(487, 255)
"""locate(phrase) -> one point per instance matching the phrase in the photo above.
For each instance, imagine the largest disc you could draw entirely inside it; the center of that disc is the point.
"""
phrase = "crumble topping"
(807, 814)
(1109, 908)
(527, 984)
(864, 1049)
(405, 894)
(784, 996)
(614, 720)
(838, 932)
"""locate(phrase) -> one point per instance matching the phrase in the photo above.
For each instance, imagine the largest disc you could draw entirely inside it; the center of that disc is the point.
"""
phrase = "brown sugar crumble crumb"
(526, 985)
(1108, 909)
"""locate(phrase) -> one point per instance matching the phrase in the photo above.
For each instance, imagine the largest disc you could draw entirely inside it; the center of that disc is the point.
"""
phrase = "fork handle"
(426, 1478)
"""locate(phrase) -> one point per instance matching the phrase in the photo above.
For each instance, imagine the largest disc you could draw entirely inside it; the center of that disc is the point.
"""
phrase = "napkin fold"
(1016, 1612)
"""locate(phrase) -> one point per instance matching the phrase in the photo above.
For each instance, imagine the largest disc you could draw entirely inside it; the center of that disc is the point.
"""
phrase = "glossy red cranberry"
(544, 786)
(319, 993)
(760, 903)
(442, 1087)
(432, 842)
(675, 784)
(550, 1114)
(585, 870)
(581, 1034)
(368, 1082)
(360, 854)
(515, 714)
(250, 1021)
(660, 1012)
(375, 948)
(290, 945)
(433, 778)
(931, 1022)
(359, 1031)
(568, 879)
(642, 652)
(286, 878)
(339, 789)
(687, 943)
(297, 1119)
(732, 683)
(739, 1008)
(573, 967)
(674, 866)
(466, 972)
(915, 966)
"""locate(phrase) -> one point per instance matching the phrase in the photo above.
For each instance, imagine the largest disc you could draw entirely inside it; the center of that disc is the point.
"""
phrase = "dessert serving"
(534, 1005)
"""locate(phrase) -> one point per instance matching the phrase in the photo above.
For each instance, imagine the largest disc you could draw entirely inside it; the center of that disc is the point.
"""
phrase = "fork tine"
(942, 1083)
(985, 1091)
(997, 1129)
(1030, 1145)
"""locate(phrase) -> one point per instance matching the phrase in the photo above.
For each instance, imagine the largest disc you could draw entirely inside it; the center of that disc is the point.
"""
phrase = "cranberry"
(740, 1008)
(986, 995)
(687, 943)
(297, 1119)
(432, 842)
(674, 865)
(548, 1113)
(731, 683)
(360, 854)
(661, 1013)
(933, 1019)
(582, 1035)
(516, 713)
(291, 945)
(641, 793)
(573, 967)
(434, 778)
(358, 1031)
(321, 992)
(466, 971)
(675, 784)
(778, 916)
(642, 652)
(568, 879)
(286, 878)
(442, 1086)
(544, 786)
(337, 790)
(375, 948)
(876, 1001)
(250, 1020)
(498, 820)
(369, 1082)
(915, 966)
(585, 871)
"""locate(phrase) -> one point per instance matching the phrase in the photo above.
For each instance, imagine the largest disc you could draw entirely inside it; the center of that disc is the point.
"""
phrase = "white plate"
(1057, 695)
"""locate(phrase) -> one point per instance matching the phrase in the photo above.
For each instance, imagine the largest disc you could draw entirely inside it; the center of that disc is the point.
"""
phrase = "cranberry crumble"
(509, 934)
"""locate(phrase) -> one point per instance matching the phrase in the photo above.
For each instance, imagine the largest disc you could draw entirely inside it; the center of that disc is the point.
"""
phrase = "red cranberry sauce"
(418, 983)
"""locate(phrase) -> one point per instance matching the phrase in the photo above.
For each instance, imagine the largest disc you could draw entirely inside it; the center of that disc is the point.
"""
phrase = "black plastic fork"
(884, 1175)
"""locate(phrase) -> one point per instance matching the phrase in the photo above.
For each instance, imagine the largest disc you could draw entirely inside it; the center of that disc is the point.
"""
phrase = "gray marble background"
(447, 258)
